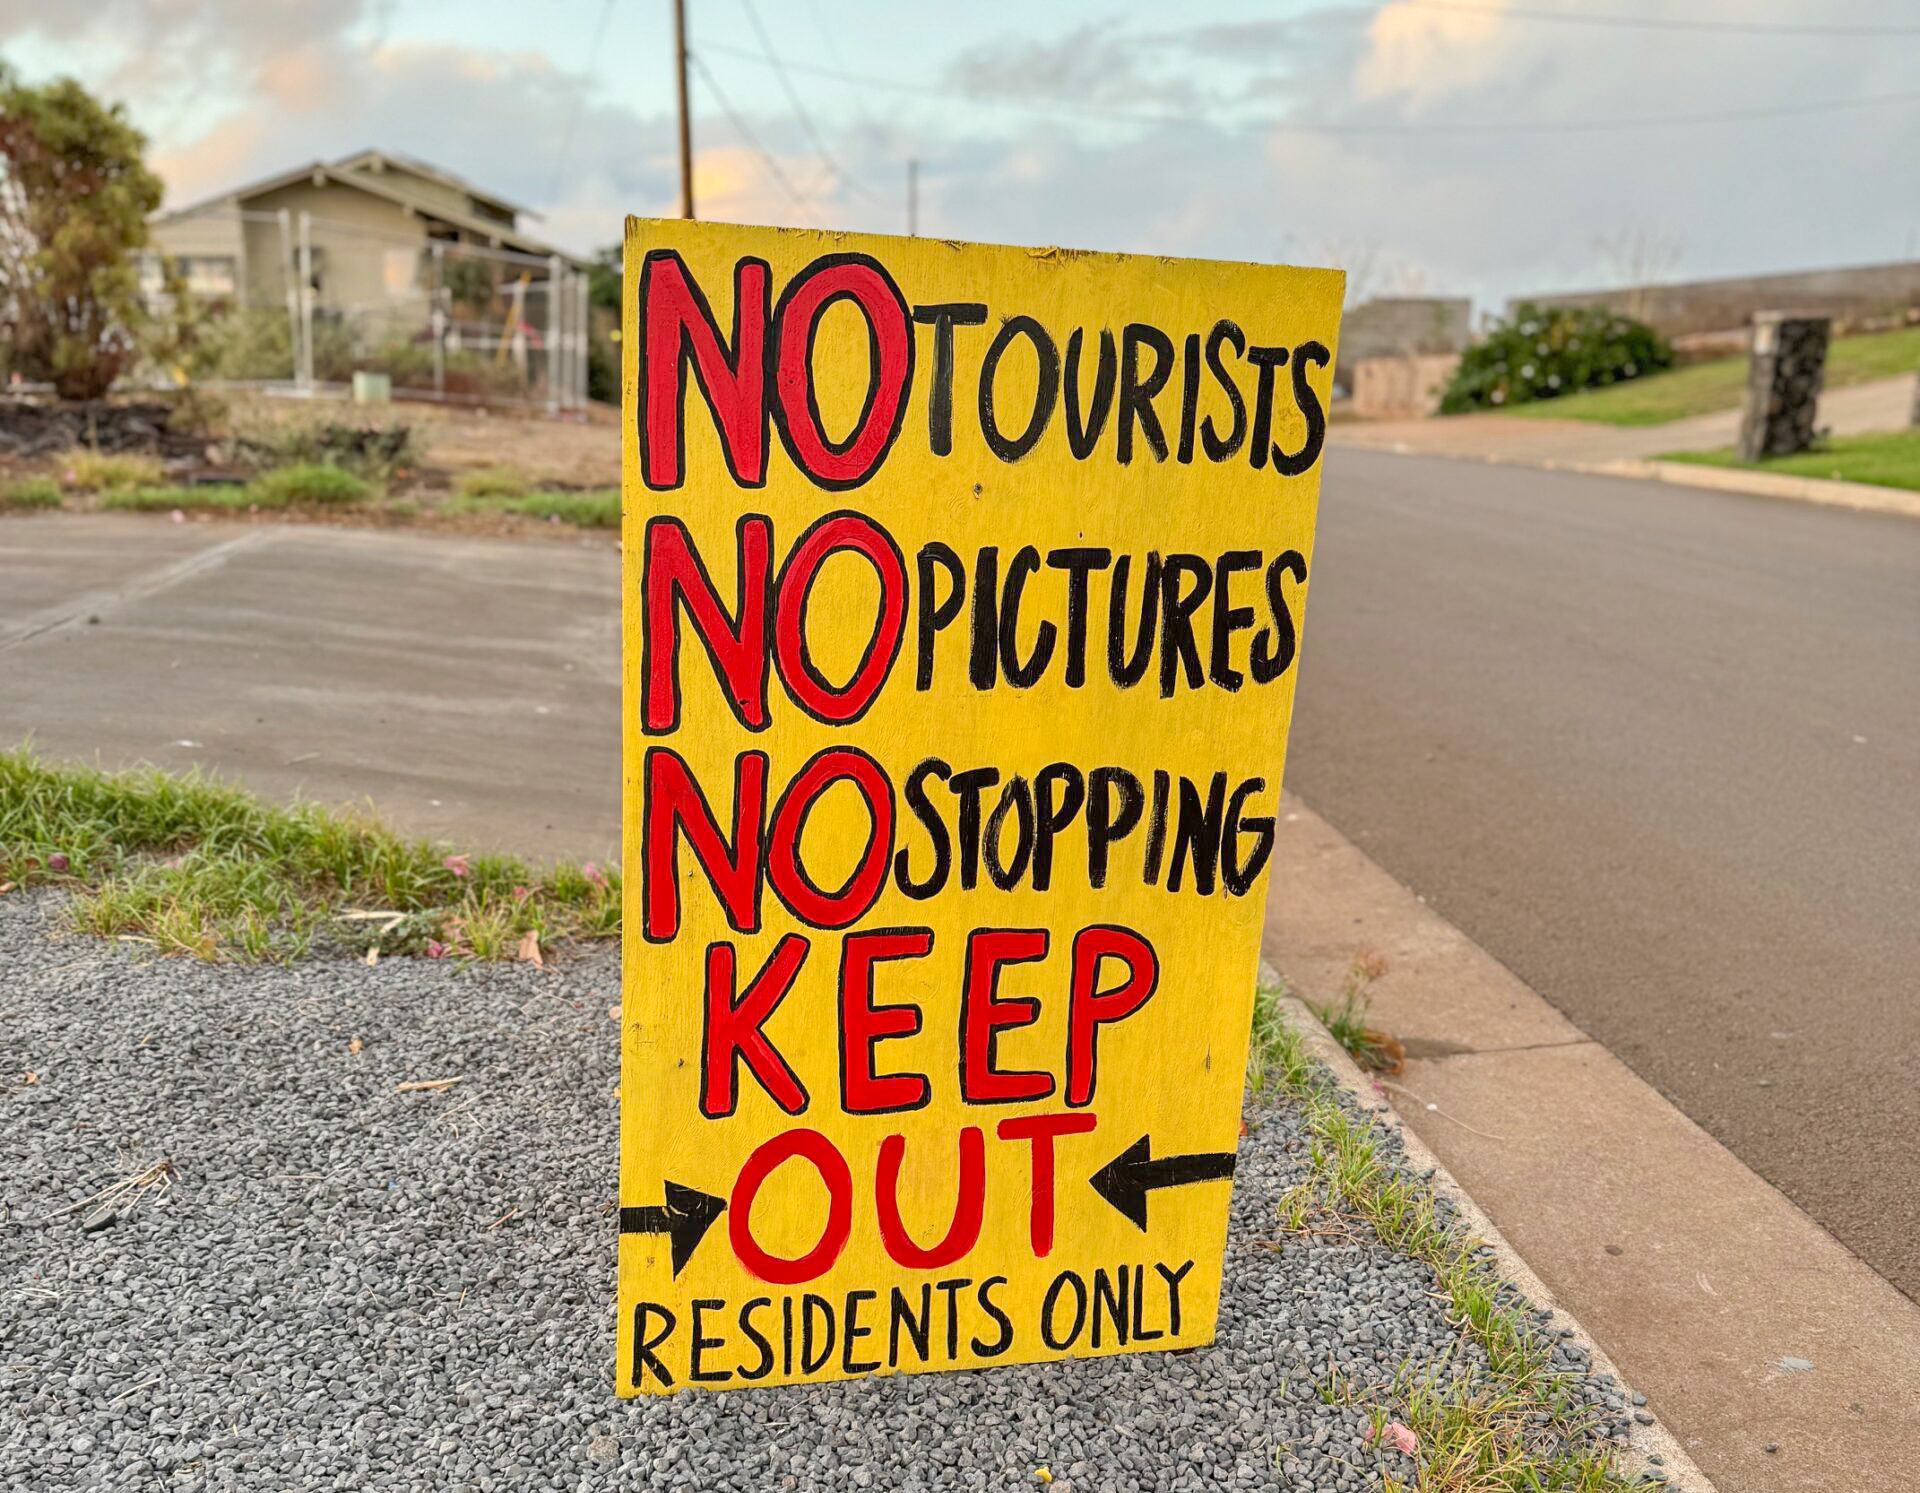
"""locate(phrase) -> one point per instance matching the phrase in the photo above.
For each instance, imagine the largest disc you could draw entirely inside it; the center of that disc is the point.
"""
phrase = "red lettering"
(676, 805)
(808, 902)
(675, 577)
(862, 1024)
(813, 1147)
(983, 1014)
(733, 1029)
(1039, 1131)
(860, 279)
(677, 326)
(811, 690)
(969, 1204)
(1089, 1008)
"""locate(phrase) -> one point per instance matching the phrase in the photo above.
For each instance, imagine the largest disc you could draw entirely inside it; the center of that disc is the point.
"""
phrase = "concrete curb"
(1643, 1442)
(1863, 497)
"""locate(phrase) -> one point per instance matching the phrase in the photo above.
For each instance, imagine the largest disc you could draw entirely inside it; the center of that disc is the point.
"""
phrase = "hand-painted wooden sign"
(962, 603)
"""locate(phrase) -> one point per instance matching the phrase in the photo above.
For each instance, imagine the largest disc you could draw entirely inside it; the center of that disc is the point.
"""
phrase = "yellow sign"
(963, 591)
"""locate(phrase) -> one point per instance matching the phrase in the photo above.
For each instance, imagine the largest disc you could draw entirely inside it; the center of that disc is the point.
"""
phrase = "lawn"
(1702, 388)
(1885, 459)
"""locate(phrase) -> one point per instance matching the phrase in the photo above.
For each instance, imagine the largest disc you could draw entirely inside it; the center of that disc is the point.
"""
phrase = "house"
(373, 219)
(382, 263)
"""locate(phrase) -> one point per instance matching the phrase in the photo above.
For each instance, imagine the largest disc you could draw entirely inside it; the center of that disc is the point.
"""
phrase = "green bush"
(1542, 353)
(31, 492)
(306, 482)
(374, 452)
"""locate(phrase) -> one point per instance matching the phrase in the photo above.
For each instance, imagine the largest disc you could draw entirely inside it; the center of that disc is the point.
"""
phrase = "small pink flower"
(1401, 1437)
(58, 862)
(179, 517)
(595, 876)
(520, 894)
(456, 864)
(436, 950)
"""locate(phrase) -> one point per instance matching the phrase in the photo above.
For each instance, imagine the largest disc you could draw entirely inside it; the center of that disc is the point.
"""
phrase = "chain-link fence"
(305, 302)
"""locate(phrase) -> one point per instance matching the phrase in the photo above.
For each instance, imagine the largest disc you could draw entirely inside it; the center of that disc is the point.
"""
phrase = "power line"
(739, 124)
(1291, 127)
(772, 59)
(1666, 23)
(579, 98)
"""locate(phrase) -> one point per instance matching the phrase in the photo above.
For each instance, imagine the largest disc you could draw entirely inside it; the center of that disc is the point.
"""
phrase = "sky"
(1478, 147)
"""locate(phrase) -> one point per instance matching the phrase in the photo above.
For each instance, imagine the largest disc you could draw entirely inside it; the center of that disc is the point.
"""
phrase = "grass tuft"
(490, 482)
(107, 471)
(198, 866)
(219, 498)
(306, 482)
(30, 492)
(599, 509)
(1512, 1426)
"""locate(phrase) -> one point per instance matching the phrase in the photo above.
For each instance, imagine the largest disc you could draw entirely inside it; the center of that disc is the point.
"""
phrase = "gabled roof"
(374, 160)
(361, 180)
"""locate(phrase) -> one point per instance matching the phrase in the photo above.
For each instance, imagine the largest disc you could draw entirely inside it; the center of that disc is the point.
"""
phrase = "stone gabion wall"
(1783, 384)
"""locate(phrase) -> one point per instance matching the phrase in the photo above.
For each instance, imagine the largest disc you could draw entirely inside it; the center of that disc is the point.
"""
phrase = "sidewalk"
(1783, 1363)
(1885, 404)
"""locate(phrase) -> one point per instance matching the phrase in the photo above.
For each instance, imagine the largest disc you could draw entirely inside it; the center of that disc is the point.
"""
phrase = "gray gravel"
(328, 1296)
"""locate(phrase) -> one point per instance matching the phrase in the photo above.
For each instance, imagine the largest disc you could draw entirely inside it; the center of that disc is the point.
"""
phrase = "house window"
(208, 274)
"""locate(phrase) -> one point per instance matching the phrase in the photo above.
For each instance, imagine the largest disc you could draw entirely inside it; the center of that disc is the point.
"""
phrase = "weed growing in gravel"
(197, 866)
(1515, 1426)
(1346, 1020)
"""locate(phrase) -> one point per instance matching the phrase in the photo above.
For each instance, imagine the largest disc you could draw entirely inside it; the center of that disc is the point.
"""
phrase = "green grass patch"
(107, 471)
(490, 482)
(599, 509)
(1514, 1425)
(195, 865)
(307, 482)
(30, 492)
(1885, 459)
(1720, 383)
(221, 498)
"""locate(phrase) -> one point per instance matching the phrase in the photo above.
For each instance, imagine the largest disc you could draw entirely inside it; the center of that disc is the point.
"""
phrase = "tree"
(74, 198)
(603, 295)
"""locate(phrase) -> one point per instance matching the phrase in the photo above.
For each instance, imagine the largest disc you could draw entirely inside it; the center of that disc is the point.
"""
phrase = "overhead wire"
(772, 59)
(774, 169)
(579, 98)
(1667, 23)
(1292, 127)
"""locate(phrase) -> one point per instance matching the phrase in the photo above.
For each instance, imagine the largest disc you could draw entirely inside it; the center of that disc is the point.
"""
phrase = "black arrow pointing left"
(684, 1218)
(1126, 1180)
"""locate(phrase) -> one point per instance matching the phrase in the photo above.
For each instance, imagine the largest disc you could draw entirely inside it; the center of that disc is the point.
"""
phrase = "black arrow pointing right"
(1126, 1180)
(685, 1218)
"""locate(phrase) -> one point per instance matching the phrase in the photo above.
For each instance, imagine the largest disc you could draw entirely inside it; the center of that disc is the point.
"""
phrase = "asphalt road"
(1658, 750)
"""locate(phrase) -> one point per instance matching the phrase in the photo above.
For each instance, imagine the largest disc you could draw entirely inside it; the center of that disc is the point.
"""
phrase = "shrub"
(107, 471)
(490, 482)
(31, 492)
(374, 452)
(1542, 353)
(245, 343)
(306, 482)
(74, 199)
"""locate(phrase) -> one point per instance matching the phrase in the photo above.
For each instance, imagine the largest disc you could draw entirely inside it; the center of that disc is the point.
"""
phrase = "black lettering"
(1218, 447)
(986, 618)
(987, 1304)
(1178, 603)
(1127, 668)
(1016, 798)
(1240, 875)
(915, 790)
(645, 1359)
(1137, 389)
(701, 1343)
(1058, 792)
(1083, 431)
(1079, 564)
(1273, 649)
(1061, 1282)
(854, 1332)
(1046, 392)
(764, 1366)
(1026, 560)
(812, 1306)
(900, 1315)
(1173, 1279)
(1105, 826)
(934, 616)
(1110, 1304)
(1229, 619)
(943, 319)
(1197, 832)
(967, 787)
(1307, 355)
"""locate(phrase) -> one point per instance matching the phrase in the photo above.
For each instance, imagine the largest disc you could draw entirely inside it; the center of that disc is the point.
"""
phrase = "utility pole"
(686, 122)
(913, 198)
